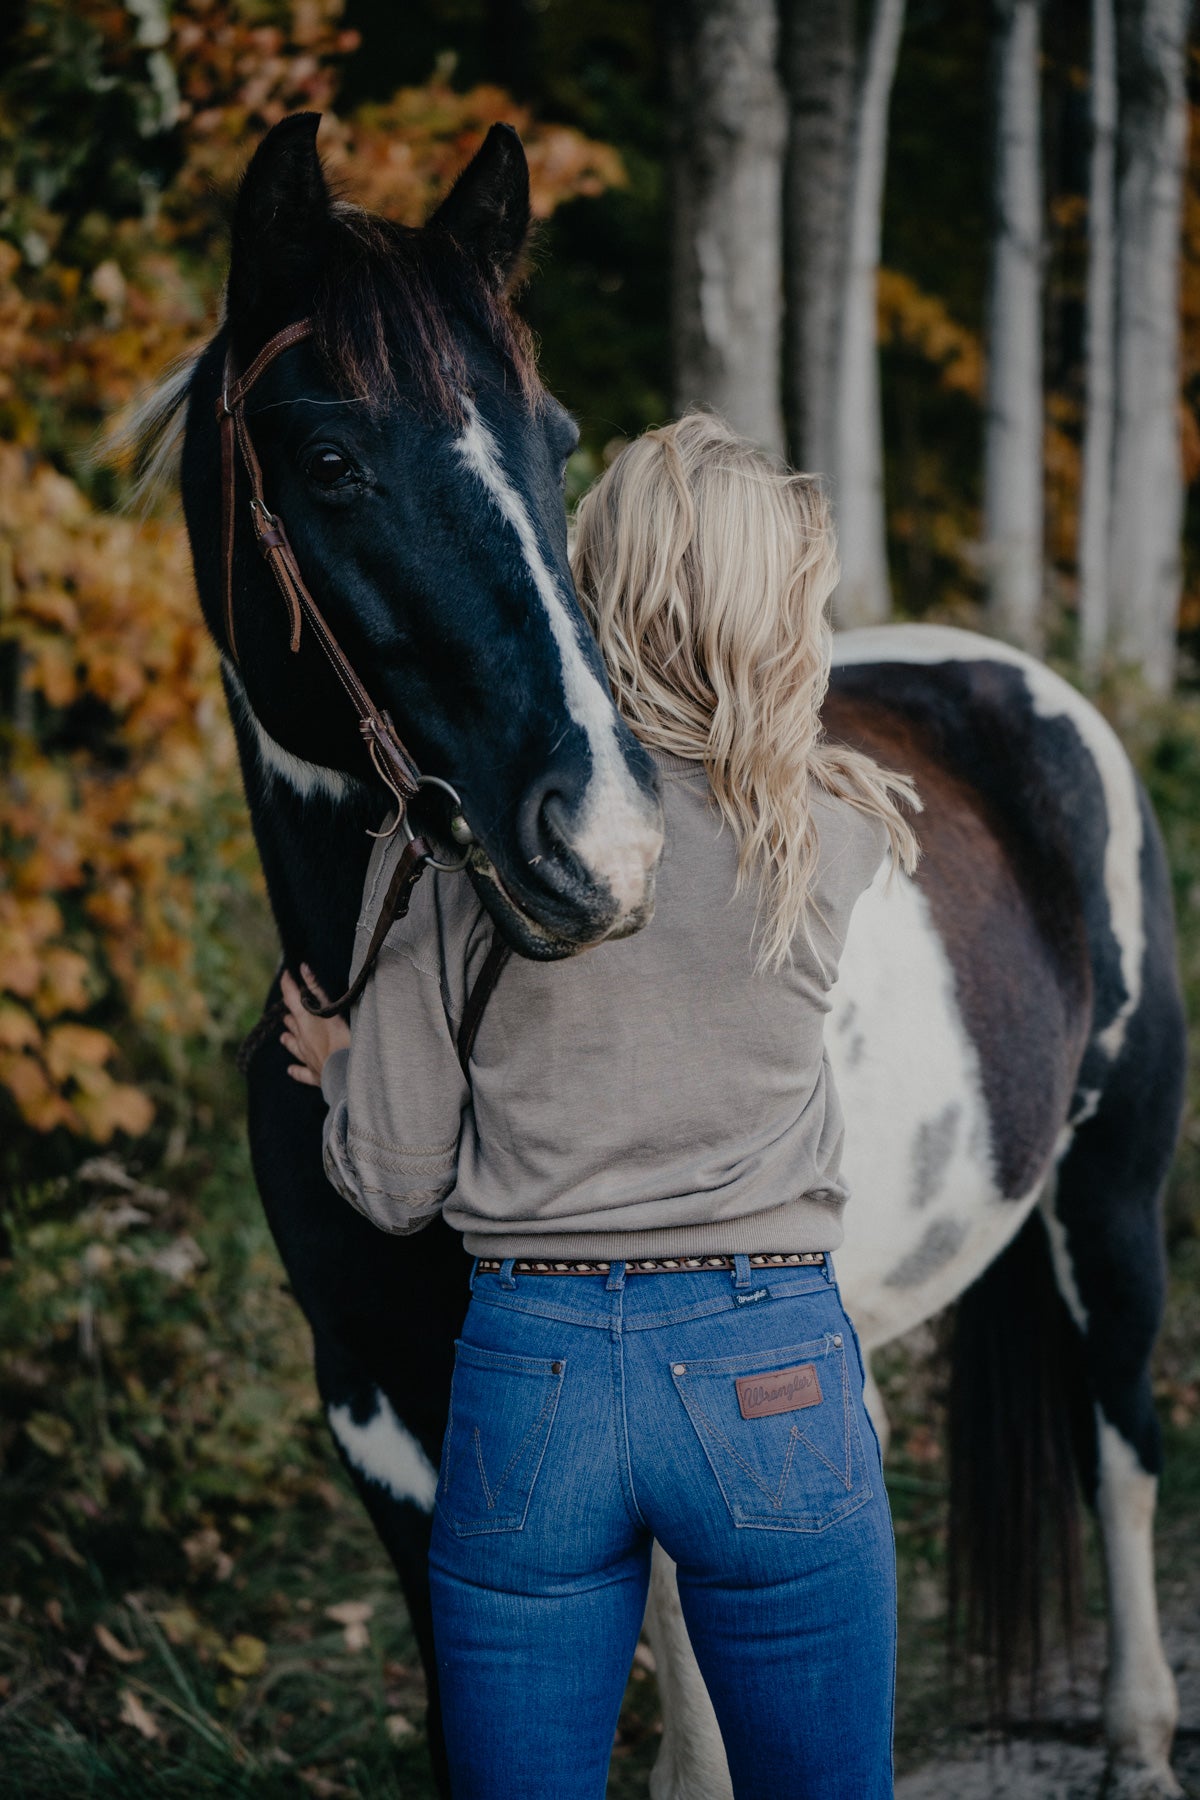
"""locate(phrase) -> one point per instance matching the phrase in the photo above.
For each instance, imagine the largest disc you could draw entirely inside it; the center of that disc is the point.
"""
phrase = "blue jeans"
(590, 1416)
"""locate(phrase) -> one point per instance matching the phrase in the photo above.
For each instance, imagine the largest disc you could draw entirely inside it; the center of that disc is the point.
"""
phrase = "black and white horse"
(1007, 1037)
(1007, 1030)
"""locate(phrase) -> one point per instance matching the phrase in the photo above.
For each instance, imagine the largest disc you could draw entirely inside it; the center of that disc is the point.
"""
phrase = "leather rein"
(389, 758)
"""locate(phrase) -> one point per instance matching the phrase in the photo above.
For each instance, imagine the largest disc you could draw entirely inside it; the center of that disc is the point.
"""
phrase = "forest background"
(188, 1592)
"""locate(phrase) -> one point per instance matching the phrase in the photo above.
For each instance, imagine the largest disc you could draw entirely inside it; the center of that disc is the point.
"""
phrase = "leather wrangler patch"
(783, 1390)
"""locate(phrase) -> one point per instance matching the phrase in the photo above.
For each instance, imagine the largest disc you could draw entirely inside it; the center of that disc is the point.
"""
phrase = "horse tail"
(1022, 1445)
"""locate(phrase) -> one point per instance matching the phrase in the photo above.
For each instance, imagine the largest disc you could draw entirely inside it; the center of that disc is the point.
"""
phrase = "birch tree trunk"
(1147, 503)
(864, 594)
(729, 124)
(819, 75)
(1096, 487)
(1013, 453)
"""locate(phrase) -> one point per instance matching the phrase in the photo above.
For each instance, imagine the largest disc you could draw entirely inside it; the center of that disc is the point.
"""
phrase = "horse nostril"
(543, 826)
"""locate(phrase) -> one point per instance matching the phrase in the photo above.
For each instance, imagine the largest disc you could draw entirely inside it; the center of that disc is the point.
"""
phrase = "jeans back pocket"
(781, 1433)
(501, 1412)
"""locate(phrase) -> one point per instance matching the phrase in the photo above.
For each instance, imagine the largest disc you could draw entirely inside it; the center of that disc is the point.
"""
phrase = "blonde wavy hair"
(705, 569)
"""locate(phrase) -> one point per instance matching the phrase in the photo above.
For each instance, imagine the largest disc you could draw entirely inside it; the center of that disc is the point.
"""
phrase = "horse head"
(418, 463)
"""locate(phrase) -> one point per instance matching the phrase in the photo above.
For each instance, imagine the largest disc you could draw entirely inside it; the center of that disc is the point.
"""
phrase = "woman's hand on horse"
(309, 1039)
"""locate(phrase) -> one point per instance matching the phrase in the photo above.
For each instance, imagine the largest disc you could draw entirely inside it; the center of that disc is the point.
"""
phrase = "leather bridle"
(391, 761)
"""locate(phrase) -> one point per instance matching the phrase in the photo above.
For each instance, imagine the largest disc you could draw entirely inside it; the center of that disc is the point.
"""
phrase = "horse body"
(1006, 1029)
(1007, 1039)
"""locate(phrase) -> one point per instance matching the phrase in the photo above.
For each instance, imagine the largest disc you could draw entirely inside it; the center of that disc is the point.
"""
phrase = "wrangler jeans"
(721, 1413)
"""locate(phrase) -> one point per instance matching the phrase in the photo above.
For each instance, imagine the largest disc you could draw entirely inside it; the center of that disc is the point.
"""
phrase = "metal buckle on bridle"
(460, 831)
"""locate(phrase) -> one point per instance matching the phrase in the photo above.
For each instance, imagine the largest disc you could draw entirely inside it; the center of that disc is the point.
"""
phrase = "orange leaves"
(400, 157)
(123, 836)
(101, 614)
(908, 315)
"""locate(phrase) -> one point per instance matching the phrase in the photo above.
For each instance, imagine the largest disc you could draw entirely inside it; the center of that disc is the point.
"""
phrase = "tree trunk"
(819, 73)
(1096, 487)
(1013, 453)
(864, 594)
(1147, 506)
(729, 128)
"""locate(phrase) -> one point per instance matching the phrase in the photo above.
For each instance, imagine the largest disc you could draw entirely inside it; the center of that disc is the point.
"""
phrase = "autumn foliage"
(122, 834)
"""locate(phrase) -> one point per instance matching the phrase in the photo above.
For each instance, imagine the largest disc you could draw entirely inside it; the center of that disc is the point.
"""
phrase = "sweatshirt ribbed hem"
(807, 1224)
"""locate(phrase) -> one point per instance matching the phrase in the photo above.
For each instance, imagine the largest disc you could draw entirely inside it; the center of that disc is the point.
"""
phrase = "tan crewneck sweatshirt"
(651, 1097)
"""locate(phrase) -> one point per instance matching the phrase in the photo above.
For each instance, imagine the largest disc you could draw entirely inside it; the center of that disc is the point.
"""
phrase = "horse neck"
(313, 844)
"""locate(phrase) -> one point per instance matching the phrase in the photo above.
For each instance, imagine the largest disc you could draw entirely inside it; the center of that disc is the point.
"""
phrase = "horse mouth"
(531, 936)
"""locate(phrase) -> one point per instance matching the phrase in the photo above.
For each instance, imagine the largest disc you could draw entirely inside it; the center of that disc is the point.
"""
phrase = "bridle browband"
(389, 758)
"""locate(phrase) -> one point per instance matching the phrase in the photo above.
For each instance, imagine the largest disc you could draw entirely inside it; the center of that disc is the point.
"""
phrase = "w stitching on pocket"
(711, 1432)
(776, 1499)
(846, 1476)
(491, 1495)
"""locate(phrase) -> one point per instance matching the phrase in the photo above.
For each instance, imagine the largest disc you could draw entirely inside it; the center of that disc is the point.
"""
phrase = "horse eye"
(327, 467)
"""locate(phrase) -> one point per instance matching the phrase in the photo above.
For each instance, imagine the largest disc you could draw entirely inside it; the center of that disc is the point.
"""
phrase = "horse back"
(1033, 870)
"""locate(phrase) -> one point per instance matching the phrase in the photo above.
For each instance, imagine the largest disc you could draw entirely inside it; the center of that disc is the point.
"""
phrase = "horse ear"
(486, 212)
(279, 226)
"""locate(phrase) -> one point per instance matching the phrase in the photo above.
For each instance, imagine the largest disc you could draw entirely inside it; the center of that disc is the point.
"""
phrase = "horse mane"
(386, 302)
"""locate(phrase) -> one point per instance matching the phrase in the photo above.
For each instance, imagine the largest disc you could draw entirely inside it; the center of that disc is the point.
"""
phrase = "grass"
(221, 1621)
(192, 1602)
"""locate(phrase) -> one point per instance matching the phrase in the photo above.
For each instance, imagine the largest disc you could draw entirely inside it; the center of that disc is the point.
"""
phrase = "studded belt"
(656, 1265)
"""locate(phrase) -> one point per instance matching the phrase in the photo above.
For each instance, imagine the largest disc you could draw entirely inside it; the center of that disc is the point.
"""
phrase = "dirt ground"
(1062, 1758)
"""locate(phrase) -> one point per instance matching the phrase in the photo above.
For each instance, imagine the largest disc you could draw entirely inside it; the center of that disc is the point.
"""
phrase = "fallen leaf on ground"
(245, 1655)
(321, 1785)
(135, 1714)
(397, 1727)
(352, 1616)
(112, 1646)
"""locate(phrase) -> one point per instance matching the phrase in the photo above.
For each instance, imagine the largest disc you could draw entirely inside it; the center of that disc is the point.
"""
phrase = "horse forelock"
(391, 303)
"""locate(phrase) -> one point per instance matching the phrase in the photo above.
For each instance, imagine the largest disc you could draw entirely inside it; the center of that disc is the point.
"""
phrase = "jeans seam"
(621, 1426)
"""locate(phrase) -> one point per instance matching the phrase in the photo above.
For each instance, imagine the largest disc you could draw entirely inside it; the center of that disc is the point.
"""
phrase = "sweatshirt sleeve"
(397, 1096)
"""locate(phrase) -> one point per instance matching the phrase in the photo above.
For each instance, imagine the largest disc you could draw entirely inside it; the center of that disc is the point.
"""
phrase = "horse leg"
(1104, 1220)
(396, 1481)
(384, 1313)
(691, 1764)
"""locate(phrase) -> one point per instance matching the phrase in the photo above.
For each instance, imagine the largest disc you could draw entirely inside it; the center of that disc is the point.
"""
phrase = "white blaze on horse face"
(925, 1214)
(385, 1451)
(1052, 698)
(618, 837)
(304, 778)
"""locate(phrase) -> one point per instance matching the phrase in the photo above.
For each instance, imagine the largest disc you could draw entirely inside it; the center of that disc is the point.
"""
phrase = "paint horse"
(419, 467)
(1007, 1037)
(1007, 1026)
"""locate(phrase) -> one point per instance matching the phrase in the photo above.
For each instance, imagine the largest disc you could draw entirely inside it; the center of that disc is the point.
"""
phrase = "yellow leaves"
(93, 891)
(244, 1655)
(401, 156)
(18, 1031)
(101, 841)
(908, 315)
(50, 1433)
(71, 1048)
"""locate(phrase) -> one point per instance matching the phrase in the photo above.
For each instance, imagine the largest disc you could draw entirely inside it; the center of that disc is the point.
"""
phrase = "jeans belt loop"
(474, 1272)
(507, 1278)
(741, 1267)
(616, 1278)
